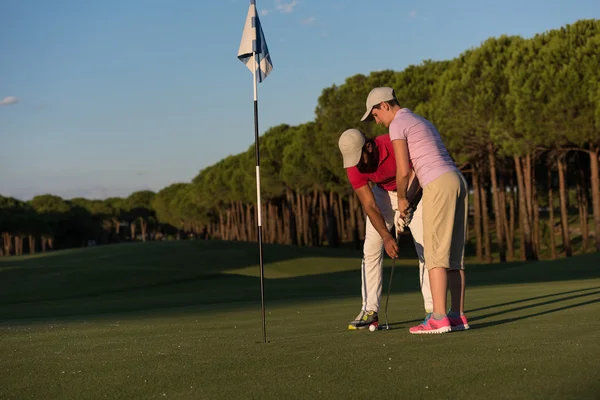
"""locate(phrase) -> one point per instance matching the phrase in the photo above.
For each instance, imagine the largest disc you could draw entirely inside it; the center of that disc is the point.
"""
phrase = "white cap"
(375, 97)
(351, 143)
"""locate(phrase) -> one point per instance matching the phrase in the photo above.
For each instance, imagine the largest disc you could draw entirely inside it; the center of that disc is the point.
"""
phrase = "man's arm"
(367, 200)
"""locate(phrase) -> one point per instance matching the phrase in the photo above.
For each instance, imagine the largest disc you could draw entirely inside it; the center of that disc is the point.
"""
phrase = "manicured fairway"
(182, 320)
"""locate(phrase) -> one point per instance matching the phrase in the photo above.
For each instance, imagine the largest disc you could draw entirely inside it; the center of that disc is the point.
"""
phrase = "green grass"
(182, 320)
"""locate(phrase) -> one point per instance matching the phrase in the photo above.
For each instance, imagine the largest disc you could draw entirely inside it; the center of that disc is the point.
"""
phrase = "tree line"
(521, 118)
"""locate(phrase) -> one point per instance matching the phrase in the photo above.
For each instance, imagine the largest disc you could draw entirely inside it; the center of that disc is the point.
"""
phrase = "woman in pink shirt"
(445, 203)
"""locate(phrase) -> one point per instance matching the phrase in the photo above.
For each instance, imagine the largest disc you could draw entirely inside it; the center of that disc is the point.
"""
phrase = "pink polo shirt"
(385, 176)
(426, 151)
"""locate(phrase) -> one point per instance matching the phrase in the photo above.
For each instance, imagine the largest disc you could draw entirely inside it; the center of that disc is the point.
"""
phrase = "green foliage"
(512, 95)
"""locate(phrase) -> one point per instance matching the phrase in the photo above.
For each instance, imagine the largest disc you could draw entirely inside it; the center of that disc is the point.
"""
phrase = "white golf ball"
(372, 328)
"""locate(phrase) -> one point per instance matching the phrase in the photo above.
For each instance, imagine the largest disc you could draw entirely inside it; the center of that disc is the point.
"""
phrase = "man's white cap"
(351, 143)
(375, 97)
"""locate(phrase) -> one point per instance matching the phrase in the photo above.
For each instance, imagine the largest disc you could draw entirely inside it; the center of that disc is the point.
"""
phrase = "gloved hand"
(400, 222)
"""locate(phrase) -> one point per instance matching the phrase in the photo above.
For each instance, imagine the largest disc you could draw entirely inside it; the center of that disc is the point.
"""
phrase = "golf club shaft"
(387, 300)
(387, 325)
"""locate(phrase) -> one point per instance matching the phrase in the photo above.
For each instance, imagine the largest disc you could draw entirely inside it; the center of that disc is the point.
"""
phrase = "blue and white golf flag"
(253, 41)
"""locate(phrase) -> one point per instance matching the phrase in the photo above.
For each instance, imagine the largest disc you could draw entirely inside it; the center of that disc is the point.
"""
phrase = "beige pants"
(373, 252)
(445, 204)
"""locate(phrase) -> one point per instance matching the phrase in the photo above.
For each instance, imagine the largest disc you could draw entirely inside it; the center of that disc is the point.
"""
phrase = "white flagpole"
(258, 200)
(252, 45)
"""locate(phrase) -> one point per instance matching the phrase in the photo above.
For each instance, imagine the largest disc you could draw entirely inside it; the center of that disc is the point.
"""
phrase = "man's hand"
(403, 206)
(391, 247)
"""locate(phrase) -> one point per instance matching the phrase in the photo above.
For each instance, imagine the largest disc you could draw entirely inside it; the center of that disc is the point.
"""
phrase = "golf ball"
(372, 328)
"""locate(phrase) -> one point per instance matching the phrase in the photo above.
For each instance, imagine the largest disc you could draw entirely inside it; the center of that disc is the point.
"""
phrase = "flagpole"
(254, 53)
(258, 201)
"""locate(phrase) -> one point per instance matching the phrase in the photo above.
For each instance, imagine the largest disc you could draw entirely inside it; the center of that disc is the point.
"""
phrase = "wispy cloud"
(264, 12)
(8, 100)
(413, 14)
(285, 8)
(309, 20)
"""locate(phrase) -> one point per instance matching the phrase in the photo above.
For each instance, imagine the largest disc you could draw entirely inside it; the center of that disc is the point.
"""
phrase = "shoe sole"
(444, 329)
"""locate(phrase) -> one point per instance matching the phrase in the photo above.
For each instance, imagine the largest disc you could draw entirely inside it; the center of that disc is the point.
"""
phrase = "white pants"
(373, 252)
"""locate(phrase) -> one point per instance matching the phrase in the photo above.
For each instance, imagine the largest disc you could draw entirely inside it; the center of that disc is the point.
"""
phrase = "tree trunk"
(247, 218)
(132, 229)
(595, 178)
(117, 225)
(236, 223)
(498, 213)
(18, 245)
(333, 229)
(476, 181)
(272, 218)
(221, 225)
(306, 219)
(512, 200)
(31, 244)
(528, 189)
(314, 218)
(286, 224)
(583, 204)
(337, 216)
(536, 214)
(232, 233)
(322, 216)
(280, 223)
(271, 221)
(8, 243)
(254, 227)
(43, 243)
(487, 241)
(551, 216)
(143, 228)
(526, 242)
(353, 227)
(509, 239)
(278, 215)
(564, 216)
(244, 226)
(292, 218)
(343, 219)
(298, 217)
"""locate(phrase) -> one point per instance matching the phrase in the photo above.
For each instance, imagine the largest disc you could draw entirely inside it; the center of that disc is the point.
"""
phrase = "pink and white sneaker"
(459, 324)
(432, 325)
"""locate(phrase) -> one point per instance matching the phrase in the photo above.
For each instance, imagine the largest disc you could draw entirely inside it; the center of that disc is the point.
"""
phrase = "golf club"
(387, 325)
(412, 209)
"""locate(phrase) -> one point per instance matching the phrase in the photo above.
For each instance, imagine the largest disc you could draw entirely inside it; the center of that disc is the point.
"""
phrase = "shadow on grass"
(398, 325)
(91, 282)
(544, 303)
(536, 298)
(515, 319)
(212, 255)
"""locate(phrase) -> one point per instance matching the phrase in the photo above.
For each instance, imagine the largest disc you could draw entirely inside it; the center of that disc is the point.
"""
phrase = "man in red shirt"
(373, 161)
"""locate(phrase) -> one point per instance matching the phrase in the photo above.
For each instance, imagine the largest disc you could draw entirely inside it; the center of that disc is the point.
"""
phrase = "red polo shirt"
(385, 176)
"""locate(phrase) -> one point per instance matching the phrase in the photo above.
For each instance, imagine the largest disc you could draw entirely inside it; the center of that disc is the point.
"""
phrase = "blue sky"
(103, 98)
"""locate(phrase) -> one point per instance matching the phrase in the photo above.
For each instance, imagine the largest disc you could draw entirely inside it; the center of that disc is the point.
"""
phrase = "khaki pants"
(373, 252)
(445, 206)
